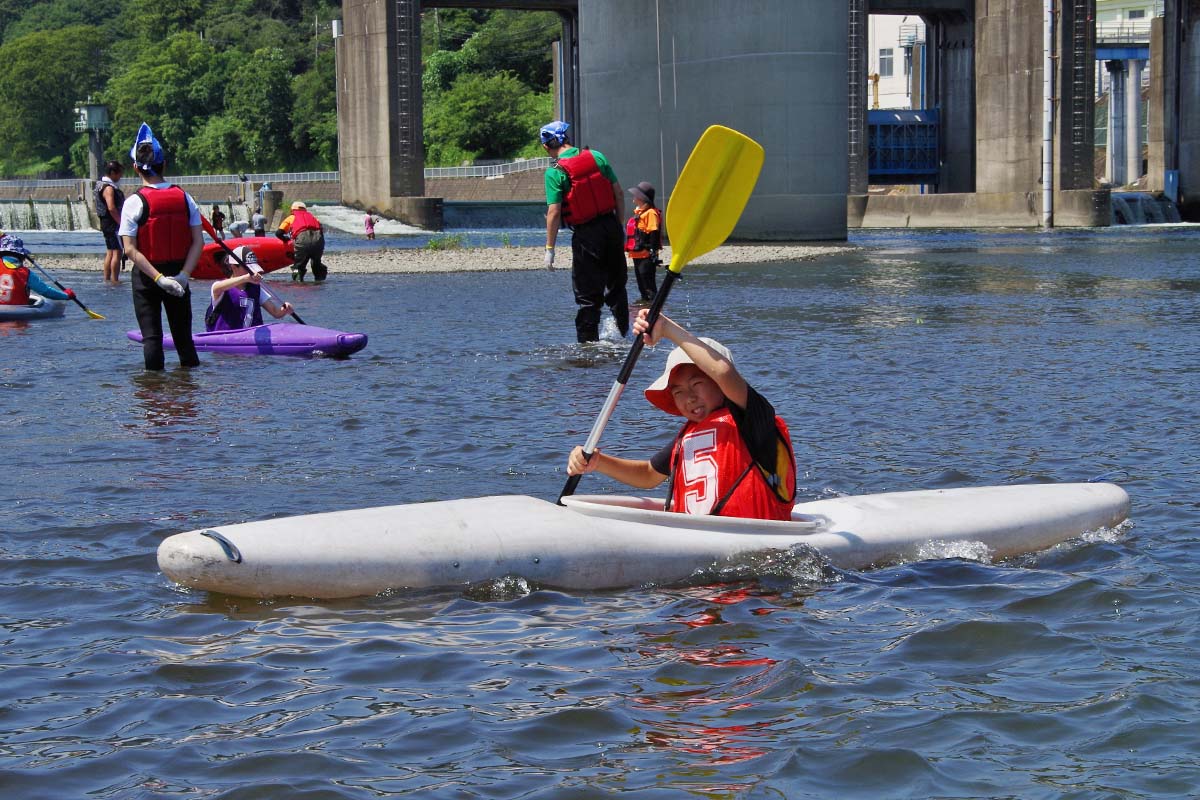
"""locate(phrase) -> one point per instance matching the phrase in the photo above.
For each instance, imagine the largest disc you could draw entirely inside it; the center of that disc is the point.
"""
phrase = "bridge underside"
(790, 73)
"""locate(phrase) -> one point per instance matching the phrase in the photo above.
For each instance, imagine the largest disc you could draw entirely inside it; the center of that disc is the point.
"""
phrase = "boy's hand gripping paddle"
(705, 204)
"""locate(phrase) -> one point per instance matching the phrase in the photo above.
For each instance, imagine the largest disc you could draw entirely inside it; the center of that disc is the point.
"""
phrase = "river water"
(921, 359)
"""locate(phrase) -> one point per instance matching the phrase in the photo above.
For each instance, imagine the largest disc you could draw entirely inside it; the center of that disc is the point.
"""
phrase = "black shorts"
(111, 240)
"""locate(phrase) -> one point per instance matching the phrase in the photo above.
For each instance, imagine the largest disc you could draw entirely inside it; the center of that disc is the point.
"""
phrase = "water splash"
(966, 550)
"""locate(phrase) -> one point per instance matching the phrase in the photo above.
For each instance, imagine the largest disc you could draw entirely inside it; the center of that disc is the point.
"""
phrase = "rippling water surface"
(919, 360)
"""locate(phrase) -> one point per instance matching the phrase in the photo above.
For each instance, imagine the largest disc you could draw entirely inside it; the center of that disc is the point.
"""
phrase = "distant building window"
(1137, 13)
(885, 62)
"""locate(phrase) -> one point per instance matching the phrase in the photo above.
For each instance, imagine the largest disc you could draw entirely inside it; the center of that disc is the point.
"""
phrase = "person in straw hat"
(733, 455)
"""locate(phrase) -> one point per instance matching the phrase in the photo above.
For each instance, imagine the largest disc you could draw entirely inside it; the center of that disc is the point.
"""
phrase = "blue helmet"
(555, 133)
(13, 244)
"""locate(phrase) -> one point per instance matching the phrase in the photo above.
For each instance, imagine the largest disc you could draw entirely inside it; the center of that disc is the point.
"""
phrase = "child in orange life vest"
(733, 456)
(643, 238)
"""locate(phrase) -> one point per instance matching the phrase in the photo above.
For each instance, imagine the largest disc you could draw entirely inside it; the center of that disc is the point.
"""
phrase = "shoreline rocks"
(487, 259)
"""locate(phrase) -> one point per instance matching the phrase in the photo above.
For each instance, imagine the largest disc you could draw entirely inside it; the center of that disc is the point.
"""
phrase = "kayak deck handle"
(231, 551)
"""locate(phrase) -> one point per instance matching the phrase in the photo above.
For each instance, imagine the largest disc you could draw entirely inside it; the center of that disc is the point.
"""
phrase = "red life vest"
(164, 235)
(591, 194)
(712, 472)
(14, 285)
(303, 221)
(639, 243)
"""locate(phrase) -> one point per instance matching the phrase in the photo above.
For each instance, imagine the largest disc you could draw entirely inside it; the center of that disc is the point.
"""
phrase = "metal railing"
(55, 183)
(1124, 32)
(481, 171)
(489, 170)
(258, 177)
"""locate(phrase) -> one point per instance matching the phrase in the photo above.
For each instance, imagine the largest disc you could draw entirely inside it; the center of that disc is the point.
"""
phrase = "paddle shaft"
(614, 394)
(208, 228)
(89, 312)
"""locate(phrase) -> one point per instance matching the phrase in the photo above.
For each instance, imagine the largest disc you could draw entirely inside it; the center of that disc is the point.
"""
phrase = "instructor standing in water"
(582, 191)
(160, 227)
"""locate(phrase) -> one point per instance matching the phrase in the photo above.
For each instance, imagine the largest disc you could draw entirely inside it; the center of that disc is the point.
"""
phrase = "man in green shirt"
(582, 192)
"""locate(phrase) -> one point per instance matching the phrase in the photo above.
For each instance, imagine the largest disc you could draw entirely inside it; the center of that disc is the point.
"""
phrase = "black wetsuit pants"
(644, 269)
(149, 301)
(310, 246)
(598, 275)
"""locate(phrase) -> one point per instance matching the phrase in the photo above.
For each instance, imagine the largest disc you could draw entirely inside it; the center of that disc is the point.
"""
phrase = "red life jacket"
(712, 472)
(639, 243)
(14, 285)
(591, 194)
(163, 235)
(303, 221)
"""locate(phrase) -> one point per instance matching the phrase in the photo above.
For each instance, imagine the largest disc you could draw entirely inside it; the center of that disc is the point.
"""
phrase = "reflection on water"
(166, 399)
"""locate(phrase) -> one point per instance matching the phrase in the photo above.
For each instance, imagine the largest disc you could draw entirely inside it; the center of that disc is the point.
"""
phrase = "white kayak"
(607, 542)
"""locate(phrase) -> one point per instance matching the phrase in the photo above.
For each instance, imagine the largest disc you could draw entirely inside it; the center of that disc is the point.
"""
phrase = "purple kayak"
(276, 339)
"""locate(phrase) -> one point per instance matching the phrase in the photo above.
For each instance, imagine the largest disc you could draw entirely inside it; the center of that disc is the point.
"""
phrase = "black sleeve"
(660, 462)
(756, 424)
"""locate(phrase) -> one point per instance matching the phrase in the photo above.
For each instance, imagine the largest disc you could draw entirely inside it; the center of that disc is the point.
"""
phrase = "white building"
(891, 39)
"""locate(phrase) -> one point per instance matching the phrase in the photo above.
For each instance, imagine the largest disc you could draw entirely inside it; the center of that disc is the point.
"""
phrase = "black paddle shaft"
(78, 302)
(614, 394)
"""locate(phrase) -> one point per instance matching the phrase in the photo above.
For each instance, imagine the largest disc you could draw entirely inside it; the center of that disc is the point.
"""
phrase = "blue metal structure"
(903, 146)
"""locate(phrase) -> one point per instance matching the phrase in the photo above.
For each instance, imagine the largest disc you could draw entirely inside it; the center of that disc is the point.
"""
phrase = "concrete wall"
(772, 69)
(953, 52)
(1188, 143)
(1008, 85)
(1082, 208)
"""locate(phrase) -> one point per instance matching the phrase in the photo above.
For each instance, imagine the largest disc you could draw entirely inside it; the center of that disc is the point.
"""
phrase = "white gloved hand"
(169, 285)
(549, 258)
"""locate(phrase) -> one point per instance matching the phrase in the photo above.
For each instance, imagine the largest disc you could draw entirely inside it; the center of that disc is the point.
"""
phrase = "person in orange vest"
(582, 192)
(310, 242)
(733, 457)
(160, 228)
(643, 239)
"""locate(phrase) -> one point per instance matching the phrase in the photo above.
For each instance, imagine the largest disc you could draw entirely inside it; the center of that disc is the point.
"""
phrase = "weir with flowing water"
(44, 215)
(1142, 208)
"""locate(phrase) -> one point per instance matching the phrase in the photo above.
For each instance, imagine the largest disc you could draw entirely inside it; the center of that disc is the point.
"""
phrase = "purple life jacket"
(239, 307)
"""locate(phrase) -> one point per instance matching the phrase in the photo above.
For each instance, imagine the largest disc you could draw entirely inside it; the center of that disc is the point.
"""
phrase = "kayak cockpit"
(649, 511)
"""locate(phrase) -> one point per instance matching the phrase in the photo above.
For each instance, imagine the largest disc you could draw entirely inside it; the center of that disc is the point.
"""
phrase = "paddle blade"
(91, 313)
(711, 192)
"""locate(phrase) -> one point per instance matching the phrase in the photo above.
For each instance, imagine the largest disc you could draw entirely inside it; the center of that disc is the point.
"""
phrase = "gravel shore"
(498, 258)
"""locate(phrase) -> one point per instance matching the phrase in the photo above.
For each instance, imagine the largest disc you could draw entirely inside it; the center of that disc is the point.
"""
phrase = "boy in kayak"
(17, 282)
(238, 300)
(733, 456)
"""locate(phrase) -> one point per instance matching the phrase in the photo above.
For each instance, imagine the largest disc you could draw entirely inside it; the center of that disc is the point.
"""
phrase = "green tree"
(489, 116)
(260, 100)
(314, 113)
(41, 93)
(174, 88)
(154, 20)
(517, 42)
(57, 14)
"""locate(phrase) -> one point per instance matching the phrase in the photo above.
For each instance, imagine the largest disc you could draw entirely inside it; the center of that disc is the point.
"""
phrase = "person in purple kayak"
(238, 300)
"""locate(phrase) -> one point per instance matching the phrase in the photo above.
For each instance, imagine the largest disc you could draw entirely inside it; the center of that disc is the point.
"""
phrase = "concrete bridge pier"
(1115, 162)
(1123, 157)
(1174, 141)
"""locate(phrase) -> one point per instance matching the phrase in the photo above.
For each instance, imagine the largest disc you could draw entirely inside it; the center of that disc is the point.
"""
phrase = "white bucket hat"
(657, 392)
